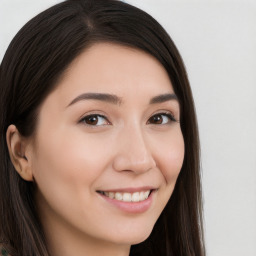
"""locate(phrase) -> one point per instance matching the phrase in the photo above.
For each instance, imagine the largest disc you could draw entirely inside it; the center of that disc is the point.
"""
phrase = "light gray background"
(217, 40)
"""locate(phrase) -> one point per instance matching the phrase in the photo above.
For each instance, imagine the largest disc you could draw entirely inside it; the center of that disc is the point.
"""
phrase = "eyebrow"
(111, 98)
(163, 98)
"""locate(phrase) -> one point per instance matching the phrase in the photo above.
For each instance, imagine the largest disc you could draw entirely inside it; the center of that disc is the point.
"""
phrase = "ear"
(18, 147)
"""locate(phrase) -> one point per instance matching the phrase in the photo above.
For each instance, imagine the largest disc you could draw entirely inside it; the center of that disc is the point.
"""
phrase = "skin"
(71, 158)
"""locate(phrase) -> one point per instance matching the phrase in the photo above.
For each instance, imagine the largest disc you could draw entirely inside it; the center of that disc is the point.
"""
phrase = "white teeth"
(118, 196)
(147, 193)
(111, 195)
(136, 197)
(142, 195)
(128, 197)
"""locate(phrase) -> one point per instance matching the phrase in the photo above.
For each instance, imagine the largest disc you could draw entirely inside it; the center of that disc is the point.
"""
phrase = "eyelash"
(165, 114)
(168, 115)
(83, 120)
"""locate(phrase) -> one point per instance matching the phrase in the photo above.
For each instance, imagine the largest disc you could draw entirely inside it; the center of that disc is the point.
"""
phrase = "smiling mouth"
(127, 197)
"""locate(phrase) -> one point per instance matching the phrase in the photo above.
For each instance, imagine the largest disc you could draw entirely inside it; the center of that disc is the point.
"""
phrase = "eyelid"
(169, 114)
(93, 112)
(82, 119)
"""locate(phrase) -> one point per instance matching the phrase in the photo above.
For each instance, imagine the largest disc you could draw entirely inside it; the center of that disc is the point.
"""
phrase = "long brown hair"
(36, 58)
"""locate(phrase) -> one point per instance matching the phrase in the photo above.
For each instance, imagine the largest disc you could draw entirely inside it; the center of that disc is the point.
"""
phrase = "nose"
(133, 153)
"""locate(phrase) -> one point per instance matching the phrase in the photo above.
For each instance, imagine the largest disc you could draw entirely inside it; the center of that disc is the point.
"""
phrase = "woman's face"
(108, 147)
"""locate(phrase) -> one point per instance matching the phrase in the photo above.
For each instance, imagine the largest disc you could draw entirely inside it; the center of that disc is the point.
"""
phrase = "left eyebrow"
(110, 98)
(163, 98)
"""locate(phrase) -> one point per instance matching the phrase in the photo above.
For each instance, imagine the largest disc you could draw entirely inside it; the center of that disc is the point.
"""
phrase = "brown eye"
(95, 120)
(157, 119)
(162, 118)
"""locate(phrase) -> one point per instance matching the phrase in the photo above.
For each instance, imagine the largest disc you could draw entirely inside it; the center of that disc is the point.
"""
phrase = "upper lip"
(129, 189)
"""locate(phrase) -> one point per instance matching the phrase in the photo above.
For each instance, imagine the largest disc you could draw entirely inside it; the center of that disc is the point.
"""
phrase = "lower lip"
(131, 207)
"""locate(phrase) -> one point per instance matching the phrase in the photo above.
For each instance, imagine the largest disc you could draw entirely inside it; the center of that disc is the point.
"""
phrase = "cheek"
(170, 157)
(68, 161)
(66, 169)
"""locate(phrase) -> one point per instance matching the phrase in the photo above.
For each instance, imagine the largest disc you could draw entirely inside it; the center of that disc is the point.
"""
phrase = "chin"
(132, 237)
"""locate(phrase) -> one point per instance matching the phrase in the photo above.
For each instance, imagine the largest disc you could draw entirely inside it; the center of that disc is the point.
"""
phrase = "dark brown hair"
(36, 58)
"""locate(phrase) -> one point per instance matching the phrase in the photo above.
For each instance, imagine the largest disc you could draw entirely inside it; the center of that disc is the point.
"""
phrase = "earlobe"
(18, 150)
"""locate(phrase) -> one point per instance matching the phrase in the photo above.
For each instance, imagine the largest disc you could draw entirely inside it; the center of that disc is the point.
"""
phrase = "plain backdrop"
(217, 40)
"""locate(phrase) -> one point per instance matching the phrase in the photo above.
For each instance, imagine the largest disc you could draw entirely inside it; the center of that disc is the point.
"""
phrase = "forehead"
(112, 68)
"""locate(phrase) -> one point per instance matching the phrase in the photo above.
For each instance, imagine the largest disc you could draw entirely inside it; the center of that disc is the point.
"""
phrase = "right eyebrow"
(163, 98)
(110, 98)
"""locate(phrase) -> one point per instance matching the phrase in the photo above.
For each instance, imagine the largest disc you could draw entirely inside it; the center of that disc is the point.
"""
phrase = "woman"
(99, 141)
